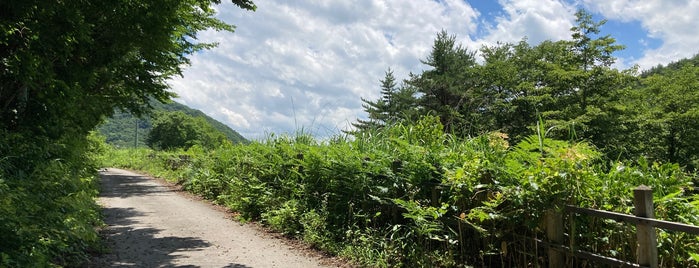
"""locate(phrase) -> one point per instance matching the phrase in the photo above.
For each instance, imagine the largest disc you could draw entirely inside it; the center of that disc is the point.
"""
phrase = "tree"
(447, 90)
(172, 130)
(584, 86)
(668, 116)
(64, 67)
(395, 104)
(509, 80)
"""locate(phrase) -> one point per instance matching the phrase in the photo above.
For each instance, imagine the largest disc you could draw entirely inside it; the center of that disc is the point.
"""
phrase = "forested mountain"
(120, 129)
(673, 66)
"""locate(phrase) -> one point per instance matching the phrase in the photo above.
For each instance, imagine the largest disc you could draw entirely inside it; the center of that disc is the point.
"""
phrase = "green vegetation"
(120, 128)
(569, 83)
(411, 195)
(431, 179)
(64, 67)
(172, 130)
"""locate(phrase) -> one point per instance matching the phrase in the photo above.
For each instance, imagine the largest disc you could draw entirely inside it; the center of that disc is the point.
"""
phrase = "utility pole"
(135, 139)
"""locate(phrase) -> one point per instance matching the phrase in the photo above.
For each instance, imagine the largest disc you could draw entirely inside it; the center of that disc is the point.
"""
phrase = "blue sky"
(305, 64)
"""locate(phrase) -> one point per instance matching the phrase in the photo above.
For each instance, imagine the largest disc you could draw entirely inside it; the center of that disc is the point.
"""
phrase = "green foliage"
(173, 130)
(47, 209)
(448, 89)
(120, 129)
(396, 104)
(64, 67)
(569, 83)
(67, 64)
(668, 116)
(411, 195)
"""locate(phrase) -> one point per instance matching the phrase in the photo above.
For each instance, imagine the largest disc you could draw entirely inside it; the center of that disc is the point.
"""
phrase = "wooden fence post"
(555, 235)
(647, 249)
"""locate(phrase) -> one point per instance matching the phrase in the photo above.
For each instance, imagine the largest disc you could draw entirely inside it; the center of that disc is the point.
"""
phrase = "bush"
(47, 210)
(412, 195)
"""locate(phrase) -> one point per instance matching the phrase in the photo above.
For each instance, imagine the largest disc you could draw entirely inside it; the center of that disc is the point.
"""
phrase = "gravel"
(152, 224)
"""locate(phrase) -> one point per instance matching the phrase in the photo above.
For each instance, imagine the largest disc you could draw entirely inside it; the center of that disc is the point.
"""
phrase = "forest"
(570, 84)
(455, 166)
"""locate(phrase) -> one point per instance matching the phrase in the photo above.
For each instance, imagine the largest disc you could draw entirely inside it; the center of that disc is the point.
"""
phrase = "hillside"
(673, 66)
(120, 129)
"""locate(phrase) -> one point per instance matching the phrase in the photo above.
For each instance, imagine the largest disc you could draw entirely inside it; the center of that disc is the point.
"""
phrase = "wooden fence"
(646, 248)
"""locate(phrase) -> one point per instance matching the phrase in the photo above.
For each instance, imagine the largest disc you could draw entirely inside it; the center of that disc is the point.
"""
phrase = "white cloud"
(536, 19)
(673, 21)
(305, 64)
(236, 119)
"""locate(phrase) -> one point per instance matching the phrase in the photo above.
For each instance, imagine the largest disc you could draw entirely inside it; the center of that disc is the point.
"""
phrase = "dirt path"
(151, 225)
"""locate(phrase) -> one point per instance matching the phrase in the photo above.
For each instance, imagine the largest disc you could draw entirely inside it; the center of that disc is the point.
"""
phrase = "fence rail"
(667, 225)
(646, 247)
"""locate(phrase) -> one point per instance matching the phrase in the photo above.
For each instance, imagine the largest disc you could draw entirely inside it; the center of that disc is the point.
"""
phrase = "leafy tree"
(571, 84)
(173, 130)
(67, 64)
(64, 66)
(510, 79)
(583, 85)
(668, 116)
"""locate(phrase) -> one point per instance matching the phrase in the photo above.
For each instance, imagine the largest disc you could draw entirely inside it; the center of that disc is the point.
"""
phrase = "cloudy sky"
(303, 65)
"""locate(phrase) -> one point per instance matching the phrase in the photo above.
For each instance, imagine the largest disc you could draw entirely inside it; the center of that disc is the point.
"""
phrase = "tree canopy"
(64, 67)
(570, 84)
(172, 130)
(67, 64)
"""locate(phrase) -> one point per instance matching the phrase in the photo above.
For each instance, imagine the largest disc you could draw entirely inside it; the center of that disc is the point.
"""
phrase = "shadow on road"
(128, 185)
(140, 247)
(133, 243)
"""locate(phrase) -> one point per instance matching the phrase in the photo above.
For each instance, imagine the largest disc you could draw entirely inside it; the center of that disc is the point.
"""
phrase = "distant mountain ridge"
(121, 129)
(662, 69)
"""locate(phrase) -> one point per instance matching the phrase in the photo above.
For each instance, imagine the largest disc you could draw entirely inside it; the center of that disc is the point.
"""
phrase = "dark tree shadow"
(139, 247)
(126, 186)
(130, 246)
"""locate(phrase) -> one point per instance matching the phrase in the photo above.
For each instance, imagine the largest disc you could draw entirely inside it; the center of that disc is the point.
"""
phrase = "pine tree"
(393, 105)
(447, 90)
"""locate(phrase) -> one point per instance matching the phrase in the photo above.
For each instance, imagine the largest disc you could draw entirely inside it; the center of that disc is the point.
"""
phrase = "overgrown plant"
(411, 195)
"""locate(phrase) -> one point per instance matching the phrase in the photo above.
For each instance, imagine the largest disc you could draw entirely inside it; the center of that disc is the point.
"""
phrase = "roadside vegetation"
(411, 195)
(64, 67)
(457, 165)
(454, 166)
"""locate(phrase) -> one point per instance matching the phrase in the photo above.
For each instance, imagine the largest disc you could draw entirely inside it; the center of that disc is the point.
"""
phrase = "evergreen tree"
(395, 104)
(448, 89)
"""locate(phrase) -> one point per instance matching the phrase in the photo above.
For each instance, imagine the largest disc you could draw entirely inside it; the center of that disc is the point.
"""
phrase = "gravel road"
(152, 225)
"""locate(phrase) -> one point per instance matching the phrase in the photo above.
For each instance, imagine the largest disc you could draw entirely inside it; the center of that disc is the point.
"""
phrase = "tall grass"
(410, 195)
